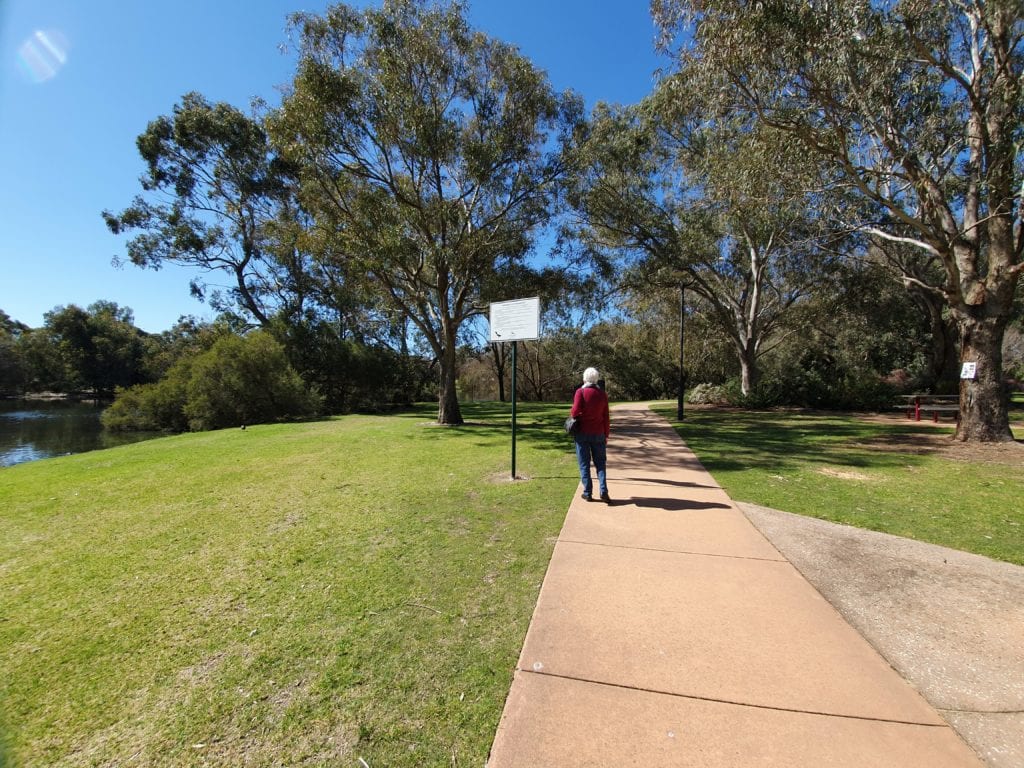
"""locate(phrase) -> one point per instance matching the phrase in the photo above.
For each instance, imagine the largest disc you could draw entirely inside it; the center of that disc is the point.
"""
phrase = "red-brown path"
(670, 632)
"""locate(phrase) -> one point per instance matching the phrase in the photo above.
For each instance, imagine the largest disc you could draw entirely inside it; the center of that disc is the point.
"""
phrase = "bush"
(348, 374)
(767, 393)
(131, 411)
(158, 407)
(245, 380)
(239, 380)
(803, 387)
(708, 394)
(814, 388)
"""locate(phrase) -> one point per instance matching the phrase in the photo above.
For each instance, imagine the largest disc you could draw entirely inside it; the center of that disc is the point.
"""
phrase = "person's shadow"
(674, 505)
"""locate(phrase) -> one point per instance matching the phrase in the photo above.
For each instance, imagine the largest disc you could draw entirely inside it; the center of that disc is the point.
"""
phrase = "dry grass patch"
(1010, 454)
(842, 474)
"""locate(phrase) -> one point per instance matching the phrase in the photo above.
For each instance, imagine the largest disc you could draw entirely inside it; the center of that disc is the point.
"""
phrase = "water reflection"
(31, 430)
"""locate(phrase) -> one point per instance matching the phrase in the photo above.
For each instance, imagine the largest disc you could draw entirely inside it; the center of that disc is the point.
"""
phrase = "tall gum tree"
(917, 106)
(429, 156)
(693, 202)
(211, 188)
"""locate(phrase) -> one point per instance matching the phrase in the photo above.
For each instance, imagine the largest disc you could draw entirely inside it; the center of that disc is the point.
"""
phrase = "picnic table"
(917, 404)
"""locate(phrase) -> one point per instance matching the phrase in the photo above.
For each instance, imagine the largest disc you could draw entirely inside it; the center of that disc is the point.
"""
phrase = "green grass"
(301, 595)
(845, 469)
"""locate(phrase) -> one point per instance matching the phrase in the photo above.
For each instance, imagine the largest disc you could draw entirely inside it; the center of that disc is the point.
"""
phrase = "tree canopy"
(707, 205)
(916, 106)
(213, 189)
(788, 153)
(427, 154)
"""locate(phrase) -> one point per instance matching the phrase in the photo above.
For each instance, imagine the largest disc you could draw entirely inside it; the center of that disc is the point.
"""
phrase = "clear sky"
(80, 80)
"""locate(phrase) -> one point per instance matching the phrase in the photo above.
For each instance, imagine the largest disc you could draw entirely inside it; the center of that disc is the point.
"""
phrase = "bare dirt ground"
(941, 444)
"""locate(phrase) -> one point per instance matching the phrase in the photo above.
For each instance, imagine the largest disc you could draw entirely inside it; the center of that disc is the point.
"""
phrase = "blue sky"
(80, 79)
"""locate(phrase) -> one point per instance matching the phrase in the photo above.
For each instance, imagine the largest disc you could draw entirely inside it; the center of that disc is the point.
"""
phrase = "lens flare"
(42, 55)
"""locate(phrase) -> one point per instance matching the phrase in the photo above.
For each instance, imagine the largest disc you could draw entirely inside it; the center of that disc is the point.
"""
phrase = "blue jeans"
(592, 447)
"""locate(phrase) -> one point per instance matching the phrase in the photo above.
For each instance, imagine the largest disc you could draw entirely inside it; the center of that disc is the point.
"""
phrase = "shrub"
(130, 411)
(708, 394)
(239, 380)
(245, 380)
(767, 393)
(153, 407)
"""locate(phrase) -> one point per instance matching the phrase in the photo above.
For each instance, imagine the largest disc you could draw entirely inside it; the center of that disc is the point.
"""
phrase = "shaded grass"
(286, 595)
(850, 471)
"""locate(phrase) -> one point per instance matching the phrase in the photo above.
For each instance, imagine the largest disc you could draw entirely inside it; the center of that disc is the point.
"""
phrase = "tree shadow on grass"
(538, 425)
(777, 441)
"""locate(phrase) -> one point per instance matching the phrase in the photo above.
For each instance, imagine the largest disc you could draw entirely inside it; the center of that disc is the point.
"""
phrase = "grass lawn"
(886, 477)
(288, 595)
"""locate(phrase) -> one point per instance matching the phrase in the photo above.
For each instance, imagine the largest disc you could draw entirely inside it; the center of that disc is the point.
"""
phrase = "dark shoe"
(587, 497)
(606, 498)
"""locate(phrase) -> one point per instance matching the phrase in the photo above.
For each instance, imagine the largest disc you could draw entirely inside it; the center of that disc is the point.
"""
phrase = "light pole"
(682, 339)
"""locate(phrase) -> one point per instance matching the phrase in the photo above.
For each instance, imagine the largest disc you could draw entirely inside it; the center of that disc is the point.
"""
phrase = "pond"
(39, 429)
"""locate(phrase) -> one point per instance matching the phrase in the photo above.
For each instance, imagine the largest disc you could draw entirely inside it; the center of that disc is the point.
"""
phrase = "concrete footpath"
(670, 632)
(950, 622)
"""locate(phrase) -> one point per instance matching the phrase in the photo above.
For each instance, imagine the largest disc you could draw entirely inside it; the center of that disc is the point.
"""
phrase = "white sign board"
(969, 371)
(517, 320)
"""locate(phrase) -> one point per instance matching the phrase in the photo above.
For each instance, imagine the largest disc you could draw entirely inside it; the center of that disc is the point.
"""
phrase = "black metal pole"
(682, 340)
(513, 410)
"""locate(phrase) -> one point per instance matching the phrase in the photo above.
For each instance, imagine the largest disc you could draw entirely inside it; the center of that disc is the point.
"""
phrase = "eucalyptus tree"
(95, 349)
(942, 371)
(917, 106)
(705, 205)
(428, 153)
(13, 368)
(212, 189)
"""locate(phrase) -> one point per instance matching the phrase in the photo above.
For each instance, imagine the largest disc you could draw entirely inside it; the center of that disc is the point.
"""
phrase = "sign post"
(517, 320)
(682, 351)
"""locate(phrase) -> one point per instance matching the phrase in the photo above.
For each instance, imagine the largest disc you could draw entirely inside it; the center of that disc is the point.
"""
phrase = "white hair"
(591, 376)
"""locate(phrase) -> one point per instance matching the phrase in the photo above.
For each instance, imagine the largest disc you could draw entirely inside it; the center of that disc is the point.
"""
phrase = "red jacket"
(590, 408)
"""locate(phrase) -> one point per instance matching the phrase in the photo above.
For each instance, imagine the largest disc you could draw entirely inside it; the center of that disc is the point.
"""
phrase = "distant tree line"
(200, 375)
(826, 197)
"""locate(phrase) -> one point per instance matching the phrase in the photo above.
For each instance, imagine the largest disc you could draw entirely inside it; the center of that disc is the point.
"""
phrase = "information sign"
(517, 320)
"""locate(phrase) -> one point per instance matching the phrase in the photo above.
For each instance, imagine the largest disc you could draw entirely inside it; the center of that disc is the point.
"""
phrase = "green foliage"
(350, 375)
(426, 150)
(152, 407)
(238, 381)
(915, 109)
(96, 349)
(636, 360)
(712, 204)
(13, 369)
(213, 187)
(816, 383)
(245, 381)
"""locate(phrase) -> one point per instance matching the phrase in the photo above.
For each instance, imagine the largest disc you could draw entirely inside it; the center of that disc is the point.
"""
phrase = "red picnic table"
(925, 403)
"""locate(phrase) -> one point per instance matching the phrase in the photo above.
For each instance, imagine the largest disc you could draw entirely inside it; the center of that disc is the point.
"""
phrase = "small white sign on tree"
(517, 320)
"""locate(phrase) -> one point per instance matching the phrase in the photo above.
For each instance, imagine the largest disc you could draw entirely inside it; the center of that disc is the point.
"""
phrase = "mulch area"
(1011, 454)
(942, 444)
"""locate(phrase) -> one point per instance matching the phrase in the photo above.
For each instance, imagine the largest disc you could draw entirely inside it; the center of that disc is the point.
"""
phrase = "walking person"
(590, 409)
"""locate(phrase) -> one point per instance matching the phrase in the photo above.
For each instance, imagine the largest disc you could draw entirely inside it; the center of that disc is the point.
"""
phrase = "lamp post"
(682, 339)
